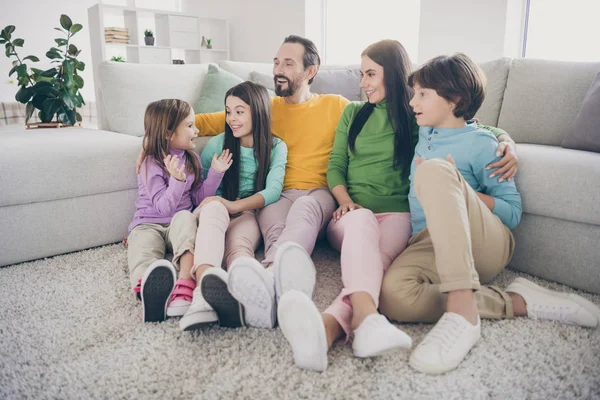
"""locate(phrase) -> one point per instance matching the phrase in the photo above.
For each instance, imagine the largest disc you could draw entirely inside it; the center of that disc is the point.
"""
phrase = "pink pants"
(221, 239)
(368, 244)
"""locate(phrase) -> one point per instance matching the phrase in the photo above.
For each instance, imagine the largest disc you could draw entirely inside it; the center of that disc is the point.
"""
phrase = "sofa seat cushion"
(559, 183)
(41, 165)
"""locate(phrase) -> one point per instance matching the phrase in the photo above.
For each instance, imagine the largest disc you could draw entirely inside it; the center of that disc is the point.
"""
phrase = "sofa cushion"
(127, 88)
(41, 165)
(585, 131)
(559, 183)
(496, 72)
(543, 97)
(216, 84)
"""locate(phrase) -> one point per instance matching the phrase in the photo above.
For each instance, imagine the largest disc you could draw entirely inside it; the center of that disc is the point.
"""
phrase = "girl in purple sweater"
(170, 186)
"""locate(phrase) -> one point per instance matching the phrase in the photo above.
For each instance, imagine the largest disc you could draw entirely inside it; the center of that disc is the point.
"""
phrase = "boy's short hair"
(457, 79)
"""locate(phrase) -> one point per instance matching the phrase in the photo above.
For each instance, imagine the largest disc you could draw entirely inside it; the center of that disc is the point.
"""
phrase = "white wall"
(256, 28)
(474, 27)
(35, 21)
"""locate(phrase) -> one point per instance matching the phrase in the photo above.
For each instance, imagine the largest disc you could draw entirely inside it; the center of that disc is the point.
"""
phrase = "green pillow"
(216, 84)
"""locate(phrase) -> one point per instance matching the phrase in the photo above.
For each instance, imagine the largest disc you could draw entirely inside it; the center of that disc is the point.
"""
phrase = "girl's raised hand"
(172, 162)
(223, 162)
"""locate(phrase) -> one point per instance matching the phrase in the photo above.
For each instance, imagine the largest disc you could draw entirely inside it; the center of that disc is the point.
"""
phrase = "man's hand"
(343, 209)
(223, 162)
(507, 165)
(172, 162)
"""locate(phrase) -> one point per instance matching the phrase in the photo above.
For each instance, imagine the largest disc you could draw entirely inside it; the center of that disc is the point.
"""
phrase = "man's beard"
(292, 87)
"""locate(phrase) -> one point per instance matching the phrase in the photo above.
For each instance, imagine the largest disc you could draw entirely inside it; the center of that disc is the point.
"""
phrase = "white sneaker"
(294, 269)
(199, 314)
(567, 308)
(302, 325)
(446, 345)
(250, 284)
(156, 288)
(376, 336)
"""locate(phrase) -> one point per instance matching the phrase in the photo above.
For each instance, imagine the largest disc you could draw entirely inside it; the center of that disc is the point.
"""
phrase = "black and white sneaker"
(157, 285)
(214, 290)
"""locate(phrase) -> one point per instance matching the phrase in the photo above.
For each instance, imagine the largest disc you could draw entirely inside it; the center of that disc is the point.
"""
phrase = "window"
(352, 25)
(562, 30)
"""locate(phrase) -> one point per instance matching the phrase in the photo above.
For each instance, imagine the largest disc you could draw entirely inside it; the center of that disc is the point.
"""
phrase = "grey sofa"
(76, 189)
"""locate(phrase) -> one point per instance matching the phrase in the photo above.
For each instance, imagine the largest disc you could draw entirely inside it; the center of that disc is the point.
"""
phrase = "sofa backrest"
(542, 98)
(496, 72)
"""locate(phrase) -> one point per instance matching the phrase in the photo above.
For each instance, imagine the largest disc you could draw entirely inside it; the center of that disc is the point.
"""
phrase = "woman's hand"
(507, 165)
(343, 209)
(171, 162)
(222, 162)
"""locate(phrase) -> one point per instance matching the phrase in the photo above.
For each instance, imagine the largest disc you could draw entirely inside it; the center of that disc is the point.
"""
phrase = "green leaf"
(23, 95)
(37, 71)
(12, 71)
(23, 80)
(21, 70)
(53, 55)
(60, 30)
(18, 42)
(6, 32)
(2, 41)
(49, 73)
(9, 50)
(67, 116)
(32, 58)
(61, 42)
(55, 49)
(44, 117)
(68, 80)
(76, 28)
(15, 63)
(38, 100)
(72, 49)
(51, 106)
(65, 21)
(67, 96)
(29, 111)
(80, 65)
(78, 81)
(79, 119)
(80, 98)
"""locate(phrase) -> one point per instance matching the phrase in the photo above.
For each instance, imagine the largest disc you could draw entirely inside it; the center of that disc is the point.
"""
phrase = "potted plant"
(149, 37)
(209, 43)
(117, 59)
(55, 91)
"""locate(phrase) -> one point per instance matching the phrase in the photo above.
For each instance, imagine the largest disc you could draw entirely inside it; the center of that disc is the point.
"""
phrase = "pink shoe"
(181, 299)
(138, 290)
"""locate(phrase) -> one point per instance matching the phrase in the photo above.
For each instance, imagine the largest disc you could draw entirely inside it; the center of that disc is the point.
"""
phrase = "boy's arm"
(506, 202)
(210, 124)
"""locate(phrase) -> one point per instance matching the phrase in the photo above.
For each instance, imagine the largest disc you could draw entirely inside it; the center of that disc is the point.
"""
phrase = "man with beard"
(306, 122)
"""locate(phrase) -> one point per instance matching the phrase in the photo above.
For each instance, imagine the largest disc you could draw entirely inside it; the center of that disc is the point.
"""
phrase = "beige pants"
(299, 215)
(221, 239)
(150, 242)
(464, 243)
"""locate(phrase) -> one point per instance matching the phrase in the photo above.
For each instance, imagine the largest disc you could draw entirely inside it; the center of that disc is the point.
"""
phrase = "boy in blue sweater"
(461, 220)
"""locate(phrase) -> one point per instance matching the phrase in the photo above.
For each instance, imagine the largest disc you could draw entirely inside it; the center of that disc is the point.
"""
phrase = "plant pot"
(34, 125)
(149, 40)
(209, 46)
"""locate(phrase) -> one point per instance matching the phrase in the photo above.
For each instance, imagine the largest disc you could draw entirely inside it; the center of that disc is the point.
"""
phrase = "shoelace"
(445, 332)
(555, 312)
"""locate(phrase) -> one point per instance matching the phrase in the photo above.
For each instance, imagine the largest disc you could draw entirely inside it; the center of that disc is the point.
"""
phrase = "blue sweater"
(473, 149)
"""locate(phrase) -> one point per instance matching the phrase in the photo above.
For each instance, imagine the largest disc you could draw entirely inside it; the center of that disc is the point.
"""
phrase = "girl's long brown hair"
(257, 97)
(161, 119)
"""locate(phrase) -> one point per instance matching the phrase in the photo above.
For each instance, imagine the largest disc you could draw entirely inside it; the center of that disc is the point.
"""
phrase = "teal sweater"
(369, 174)
(472, 148)
(248, 168)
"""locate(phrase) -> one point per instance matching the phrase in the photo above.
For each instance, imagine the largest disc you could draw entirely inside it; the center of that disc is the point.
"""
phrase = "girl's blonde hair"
(161, 119)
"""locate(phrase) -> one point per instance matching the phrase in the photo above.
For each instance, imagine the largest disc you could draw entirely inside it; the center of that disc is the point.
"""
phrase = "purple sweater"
(164, 196)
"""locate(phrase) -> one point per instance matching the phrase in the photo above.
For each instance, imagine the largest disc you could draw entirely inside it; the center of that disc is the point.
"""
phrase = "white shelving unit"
(177, 35)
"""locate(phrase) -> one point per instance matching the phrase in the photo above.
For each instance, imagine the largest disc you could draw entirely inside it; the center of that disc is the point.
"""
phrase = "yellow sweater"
(308, 129)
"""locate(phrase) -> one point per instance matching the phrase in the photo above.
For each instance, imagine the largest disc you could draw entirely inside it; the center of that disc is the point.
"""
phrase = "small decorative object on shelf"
(178, 62)
(117, 59)
(203, 43)
(149, 37)
(209, 43)
(116, 35)
(55, 92)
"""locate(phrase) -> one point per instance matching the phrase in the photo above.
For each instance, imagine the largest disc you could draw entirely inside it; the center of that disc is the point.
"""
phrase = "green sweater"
(369, 174)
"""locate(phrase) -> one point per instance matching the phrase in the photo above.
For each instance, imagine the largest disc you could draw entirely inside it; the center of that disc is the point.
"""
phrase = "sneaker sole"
(229, 311)
(197, 321)
(156, 292)
(248, 285)
(299, 320)
(294, 270)
(586, 304)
